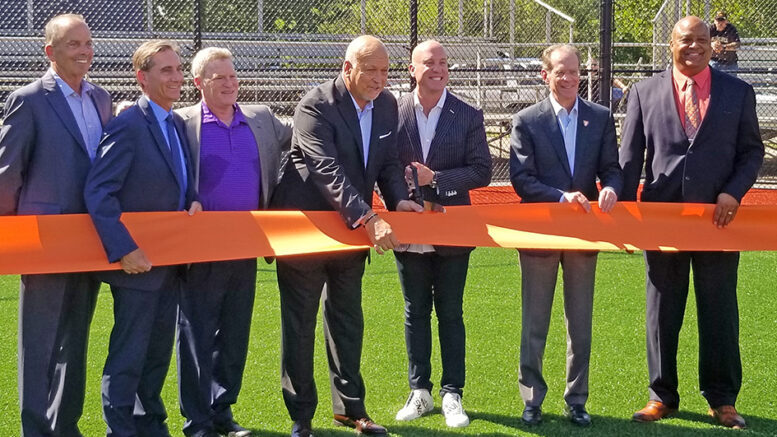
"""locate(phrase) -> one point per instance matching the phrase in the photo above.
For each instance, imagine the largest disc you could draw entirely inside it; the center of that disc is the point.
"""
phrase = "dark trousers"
(430, 280)
(139, 354)
(715, 285)
(55, 312)
(303, 281)
(539, 270)
(214, 324)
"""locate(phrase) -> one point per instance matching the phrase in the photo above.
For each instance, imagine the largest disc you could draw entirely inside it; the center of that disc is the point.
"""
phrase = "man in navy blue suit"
(695, 131)
(445, 140)
(48, 139)
(142, 166)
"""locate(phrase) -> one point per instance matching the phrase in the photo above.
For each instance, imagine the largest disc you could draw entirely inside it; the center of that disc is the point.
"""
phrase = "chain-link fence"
(284, 48)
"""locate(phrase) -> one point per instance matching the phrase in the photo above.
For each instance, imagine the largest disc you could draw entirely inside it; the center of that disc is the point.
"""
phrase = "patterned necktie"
(178, 163)
(692, 113)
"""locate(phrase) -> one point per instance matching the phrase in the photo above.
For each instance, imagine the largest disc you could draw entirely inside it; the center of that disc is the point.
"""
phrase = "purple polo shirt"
(230, 175)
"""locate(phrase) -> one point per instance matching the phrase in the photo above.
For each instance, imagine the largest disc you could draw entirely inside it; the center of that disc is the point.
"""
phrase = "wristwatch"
(433, 183)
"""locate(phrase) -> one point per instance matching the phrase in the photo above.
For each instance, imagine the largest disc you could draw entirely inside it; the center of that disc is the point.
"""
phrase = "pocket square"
(384, 135)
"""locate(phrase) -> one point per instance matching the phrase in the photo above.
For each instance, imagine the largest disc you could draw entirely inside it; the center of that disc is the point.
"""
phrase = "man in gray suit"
(558, 148)
(344, 142)
(235, 152)
(49, 137)
(444, 139)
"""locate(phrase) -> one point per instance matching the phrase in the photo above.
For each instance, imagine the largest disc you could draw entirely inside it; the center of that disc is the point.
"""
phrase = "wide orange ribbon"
(67, 243)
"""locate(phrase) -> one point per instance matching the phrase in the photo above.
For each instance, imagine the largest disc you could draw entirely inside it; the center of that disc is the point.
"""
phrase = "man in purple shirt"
(235, 153)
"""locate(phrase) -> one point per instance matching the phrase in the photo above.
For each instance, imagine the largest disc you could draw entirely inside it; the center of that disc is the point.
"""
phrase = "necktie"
(692, 113)
(178, 163)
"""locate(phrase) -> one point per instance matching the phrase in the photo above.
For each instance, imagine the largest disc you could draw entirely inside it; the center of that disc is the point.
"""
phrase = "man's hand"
(409, 206)
(717, 47)
(135, 262)
(381, 235)
(725, 210)
(195, 208)
(607, 199)
(579, 198)
(425, 174)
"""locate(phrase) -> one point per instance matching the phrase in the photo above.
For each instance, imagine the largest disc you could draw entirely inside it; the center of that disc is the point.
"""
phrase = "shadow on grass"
(558, 425)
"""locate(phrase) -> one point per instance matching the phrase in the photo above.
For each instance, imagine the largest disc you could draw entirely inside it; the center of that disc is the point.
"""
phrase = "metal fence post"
(413, 34)
(605, 52)
(197, 25)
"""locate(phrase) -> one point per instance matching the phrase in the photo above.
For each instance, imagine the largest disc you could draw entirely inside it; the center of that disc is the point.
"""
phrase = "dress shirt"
(702, 82)
(567, 122)
(84, 111)
(365, 123)
(230, 174)
(161, 118)
(427, 125)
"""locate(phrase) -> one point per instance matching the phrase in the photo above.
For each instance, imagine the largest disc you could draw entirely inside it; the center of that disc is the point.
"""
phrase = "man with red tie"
(695, 131)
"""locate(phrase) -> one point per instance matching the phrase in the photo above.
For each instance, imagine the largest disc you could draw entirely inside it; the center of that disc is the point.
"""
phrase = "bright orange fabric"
(63, 243)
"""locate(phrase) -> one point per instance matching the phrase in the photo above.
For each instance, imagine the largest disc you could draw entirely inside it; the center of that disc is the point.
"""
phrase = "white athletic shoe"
(455, 417)
(418, 403)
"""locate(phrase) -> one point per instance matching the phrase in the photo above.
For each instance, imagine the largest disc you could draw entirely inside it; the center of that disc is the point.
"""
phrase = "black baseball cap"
(721, 15)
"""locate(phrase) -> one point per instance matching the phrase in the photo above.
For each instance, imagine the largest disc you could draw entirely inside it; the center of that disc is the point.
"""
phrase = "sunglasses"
(720, 19)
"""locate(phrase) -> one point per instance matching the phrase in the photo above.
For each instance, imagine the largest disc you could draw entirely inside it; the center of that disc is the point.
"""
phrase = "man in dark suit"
(558, 148)
(700, 131)
(445, 140)
(48, 139)
(344, 142)
(236, 154)
(142, 165)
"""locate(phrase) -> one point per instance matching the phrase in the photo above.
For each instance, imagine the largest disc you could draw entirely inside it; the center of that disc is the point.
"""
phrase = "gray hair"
(206, 56)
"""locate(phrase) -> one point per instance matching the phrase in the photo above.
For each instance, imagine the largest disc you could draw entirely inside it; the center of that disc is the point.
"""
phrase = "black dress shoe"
(362, 425)
(232, 429)
(577, 415)
(532, 415)
(302, 428)
(205, 433)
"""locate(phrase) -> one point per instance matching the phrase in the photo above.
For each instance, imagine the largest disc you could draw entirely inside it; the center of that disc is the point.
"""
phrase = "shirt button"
(687, 178)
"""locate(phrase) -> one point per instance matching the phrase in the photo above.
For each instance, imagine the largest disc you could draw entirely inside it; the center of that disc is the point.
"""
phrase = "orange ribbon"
(67, 243)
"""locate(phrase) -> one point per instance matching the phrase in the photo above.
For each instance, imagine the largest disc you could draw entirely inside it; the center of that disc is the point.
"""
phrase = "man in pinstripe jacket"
(445, 140)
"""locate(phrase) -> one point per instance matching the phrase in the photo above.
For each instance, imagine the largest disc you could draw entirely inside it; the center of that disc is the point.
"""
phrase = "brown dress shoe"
(653, 411)
(727, 416)
(363, 425)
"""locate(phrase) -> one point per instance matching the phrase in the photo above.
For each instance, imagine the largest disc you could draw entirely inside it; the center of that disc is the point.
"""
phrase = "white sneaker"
(418, 403)
(455, 417)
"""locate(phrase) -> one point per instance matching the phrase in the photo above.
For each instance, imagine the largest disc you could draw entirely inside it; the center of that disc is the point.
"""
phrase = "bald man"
(444, 139)
(695, 132)
(48, 140)
(344, 141)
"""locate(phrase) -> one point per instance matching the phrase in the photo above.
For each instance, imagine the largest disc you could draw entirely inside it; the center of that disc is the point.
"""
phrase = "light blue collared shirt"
(161, 117)
(84, 111)
(365, 123)
(567, 122)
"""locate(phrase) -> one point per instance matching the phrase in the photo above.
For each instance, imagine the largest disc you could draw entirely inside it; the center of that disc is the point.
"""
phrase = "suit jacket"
(326, 170)
(458, 153)
(43, 157)
(134, 172)
(539, 168)
(272, 137)
(724, 157)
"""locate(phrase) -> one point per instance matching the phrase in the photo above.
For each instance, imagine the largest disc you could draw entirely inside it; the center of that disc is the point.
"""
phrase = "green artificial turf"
(492, 316)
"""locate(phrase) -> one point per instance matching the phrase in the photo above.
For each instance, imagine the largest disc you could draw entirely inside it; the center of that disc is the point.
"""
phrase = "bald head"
(690, 46)
(429, 67)
(364, 46)
(425, 47)
(365, 70)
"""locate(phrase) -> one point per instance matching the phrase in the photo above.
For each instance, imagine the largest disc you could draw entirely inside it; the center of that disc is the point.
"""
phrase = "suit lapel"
(407, 113)
(348, 113)
(553, 132)
(444, 123)
(584, 117)
(716, 90)
(667, 100)
(156, 132)
(260, 136)
(57, 100)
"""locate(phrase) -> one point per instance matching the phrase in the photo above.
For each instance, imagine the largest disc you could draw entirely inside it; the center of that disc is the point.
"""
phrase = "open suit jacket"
(725, 155)
(458, 153)
(326, 169)
(134, 172)
(272, 136)
(43, 157)
(539, 168)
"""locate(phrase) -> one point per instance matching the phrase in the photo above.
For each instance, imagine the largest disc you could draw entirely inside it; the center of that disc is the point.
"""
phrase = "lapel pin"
(585, 123)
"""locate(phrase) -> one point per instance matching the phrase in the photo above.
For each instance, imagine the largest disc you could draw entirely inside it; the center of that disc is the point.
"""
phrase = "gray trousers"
(55, 312)
(539, 270)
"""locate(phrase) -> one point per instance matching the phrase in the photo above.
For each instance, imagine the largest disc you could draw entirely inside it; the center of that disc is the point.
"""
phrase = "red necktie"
(692, 113)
